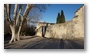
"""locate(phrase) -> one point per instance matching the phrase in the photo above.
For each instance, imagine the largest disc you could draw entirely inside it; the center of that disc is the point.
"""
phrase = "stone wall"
(79, 22)
(70, 29)
(63, 30)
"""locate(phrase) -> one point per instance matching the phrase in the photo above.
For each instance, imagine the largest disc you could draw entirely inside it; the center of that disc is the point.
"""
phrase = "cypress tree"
(58, 18)
(62, 16)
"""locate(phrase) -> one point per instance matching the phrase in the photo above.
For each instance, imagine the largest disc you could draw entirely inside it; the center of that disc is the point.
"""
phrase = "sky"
(50, 15)
(51, 12)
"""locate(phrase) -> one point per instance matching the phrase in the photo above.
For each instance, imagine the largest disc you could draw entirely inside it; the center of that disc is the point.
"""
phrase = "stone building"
(68, 30)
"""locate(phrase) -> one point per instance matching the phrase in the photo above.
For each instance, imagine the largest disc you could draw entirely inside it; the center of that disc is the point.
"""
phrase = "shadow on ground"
(44, 43)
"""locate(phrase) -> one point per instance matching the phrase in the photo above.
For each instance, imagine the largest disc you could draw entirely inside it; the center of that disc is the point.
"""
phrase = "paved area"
(45, 43)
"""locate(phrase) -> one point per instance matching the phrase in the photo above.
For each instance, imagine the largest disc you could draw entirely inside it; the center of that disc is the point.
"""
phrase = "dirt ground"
(31, 42)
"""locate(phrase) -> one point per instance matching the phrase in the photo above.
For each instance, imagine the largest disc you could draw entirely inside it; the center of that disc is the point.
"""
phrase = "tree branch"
(7, 12)
(42, 8)
(28, 8)
(15, 11)
(26, 12)
(18, 16)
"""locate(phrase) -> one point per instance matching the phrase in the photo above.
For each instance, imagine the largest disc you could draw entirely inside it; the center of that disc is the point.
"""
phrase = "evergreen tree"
(62, 17)
(58, 18)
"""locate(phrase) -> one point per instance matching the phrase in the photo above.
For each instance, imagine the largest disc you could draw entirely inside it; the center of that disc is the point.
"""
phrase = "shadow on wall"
(44, 28)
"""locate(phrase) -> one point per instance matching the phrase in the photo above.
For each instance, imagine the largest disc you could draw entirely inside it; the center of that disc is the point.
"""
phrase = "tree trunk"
(18, 34)
(15, 27)
(15, 33)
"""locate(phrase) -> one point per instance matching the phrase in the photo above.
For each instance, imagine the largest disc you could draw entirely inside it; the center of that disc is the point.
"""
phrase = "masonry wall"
(67, 30)
(64, 30)
(79, 23)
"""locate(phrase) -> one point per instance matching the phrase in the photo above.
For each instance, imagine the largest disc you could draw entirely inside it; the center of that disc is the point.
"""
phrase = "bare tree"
(21, 13)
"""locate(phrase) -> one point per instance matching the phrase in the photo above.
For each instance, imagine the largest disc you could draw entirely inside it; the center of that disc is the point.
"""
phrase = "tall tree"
(58, 18)
(18, 14)
(62, 16)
